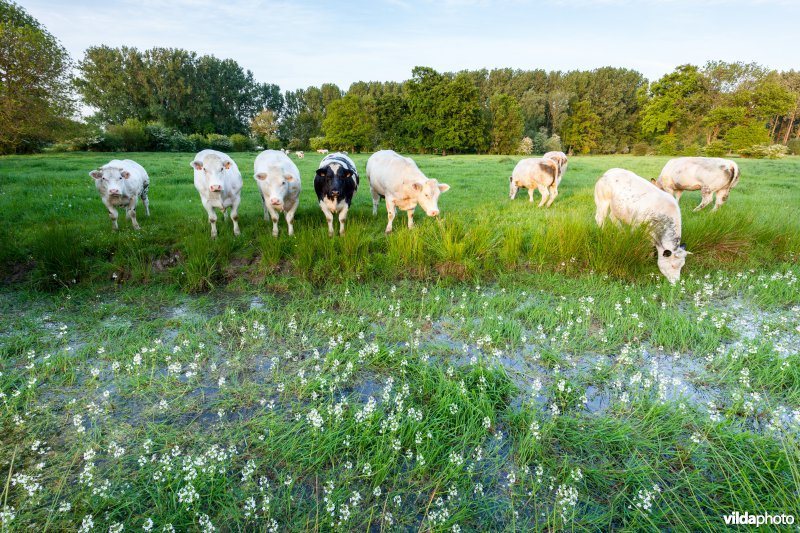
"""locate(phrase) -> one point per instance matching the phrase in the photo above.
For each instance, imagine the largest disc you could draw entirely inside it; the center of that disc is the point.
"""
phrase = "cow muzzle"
(113, 192)
(275, 201)
(215, 188)
(433, 213)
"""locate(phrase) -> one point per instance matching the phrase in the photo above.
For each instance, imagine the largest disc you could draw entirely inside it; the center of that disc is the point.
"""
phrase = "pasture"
(501, 368)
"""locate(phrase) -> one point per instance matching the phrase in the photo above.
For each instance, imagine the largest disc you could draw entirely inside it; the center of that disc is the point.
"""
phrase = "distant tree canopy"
(172, 99)
(175, 87)
(35, 99)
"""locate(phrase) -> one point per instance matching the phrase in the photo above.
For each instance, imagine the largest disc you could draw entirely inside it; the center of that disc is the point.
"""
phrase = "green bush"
(199, 141)
(553, 144)
(539, 140)
(640, 149)
(716, 148)
(295, 144)
(317, 143)
(159, 137)
(747, 136)
(763, 151)
(130, 136)
(794, 147)
(242, 143)
(219, 142)
(668, 144)
(180, 142)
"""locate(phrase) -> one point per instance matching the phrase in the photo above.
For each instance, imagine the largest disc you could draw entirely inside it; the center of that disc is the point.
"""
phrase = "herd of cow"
(619, 194)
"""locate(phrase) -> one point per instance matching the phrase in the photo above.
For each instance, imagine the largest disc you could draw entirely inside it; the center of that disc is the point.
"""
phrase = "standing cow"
(634, 200)
(561, 159)
(278, 179)
(709, 175)
(219, 182)
(335, 183)
(402, 184)
(533, 173)
(122, 183)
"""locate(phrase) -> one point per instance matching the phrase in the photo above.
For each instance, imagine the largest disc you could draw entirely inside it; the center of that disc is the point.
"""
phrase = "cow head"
(110, 181)
(274, 186)
(213, 168)
(671, 261)
(335, 178)
(657, 183)
(427, 194)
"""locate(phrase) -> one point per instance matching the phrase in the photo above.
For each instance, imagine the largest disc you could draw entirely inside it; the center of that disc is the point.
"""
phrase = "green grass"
(503, 368)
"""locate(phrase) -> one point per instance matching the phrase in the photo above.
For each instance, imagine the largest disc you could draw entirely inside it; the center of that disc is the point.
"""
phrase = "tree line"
(173, 99)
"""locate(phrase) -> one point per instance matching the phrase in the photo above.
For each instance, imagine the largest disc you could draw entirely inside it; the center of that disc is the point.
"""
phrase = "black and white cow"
(335, 184)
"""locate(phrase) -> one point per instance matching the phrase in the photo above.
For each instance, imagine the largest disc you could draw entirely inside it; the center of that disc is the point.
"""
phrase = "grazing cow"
(322, 151)
(533, 173)
(335, 184)
(219, 182)
(279, 181)
(122, 183)
(634, 200)
(561, 159)
(300, 154)
(402, 184)
(709, 175)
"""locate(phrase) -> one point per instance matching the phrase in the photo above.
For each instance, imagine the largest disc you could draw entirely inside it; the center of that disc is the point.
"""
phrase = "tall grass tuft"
(61, 257)
(206, 260)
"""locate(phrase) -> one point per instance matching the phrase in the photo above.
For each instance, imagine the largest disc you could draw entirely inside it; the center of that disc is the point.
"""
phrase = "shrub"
(317, 143)
(640, 149)
(763, 151)
(182, 143)
(295, 144)
(199, 141)
(553, 144)
(159, 137)
(668, 144)
(539, 140)
(794, 147)
(525, 146)
(242, 143)
(747, 135)
(716, 148)
(691, 150)
(219, 142)
(129, 136)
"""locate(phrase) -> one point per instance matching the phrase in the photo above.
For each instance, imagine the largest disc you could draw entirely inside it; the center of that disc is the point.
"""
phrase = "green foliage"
(746, 135)
(794, 147)
(35, 97)
(347, 124)
(525, 146)
(506, 124)
(640, 149)
(581, 128)
(716, 149)
(673, 102)
(763, 151)
(318, 143)
(219, 142)
(127, 137)
(241, 143)
(199, 141)
(552, 144)
(668, 144)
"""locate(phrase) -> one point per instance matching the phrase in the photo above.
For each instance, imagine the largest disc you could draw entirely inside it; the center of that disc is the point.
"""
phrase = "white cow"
(323, 151)
(279, 181)
(561, 159)
(534, 173)
(122, 183)
(219, 182)
(402, 184)
(300, 154)
(634, 200)
(709, 175)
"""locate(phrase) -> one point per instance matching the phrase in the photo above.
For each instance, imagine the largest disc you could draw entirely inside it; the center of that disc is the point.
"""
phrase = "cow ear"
(261, 176)
(682, 246)
(226, 165)
(443, 187)
(322, 172)
(197, 165)
(96, 174)
(348, 174)
(125, 174)
(289, 177)
(667, 253)
(417, 186)
(653, 181)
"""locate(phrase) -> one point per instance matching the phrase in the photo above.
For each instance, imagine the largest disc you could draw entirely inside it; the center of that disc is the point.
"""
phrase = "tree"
(264, 126)
(506, 124)
(347, 126)
(35, 97)
(676, 102)
(581, 128)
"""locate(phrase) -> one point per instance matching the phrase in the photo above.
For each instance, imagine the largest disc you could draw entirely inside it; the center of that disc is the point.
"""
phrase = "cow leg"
(274, 215)
(132, 213)
(328, 217)
(410, 213)
(707, 196)
(212, 218)
(553, 193)
(112, 213)
(145, 199)
(224, 213)
(376, 199)
(264, 203)
(389, 213)
(601, 213)
(722, 197)
(678, 194)
(512, 192)
(530, 195)
(290, 217)
(343, 218)
(235, 215)
(543, 192)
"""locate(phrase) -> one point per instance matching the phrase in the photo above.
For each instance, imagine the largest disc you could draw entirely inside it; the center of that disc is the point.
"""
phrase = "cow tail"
(734, 170)
(554, 166)
(146, 186)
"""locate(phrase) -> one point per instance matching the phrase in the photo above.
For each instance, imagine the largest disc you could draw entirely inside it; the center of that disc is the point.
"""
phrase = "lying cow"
(335, 184)
(402, 184)
(634, 200)
(219, 182)
(709, 175)
(322, 151)
(278, 179)
(533, 173)
(561, 159)
(122, 183)
(300, 154)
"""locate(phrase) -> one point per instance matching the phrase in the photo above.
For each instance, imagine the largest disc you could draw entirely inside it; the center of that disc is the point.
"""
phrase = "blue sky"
(302, 43)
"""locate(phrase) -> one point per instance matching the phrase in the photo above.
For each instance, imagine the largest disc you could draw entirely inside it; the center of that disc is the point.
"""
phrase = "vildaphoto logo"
(764, 519)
